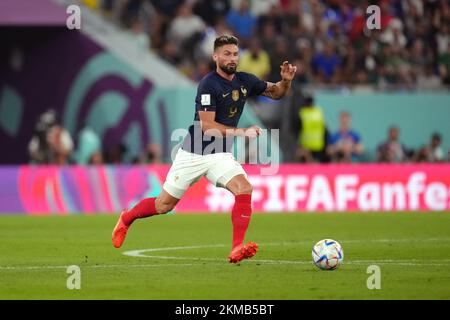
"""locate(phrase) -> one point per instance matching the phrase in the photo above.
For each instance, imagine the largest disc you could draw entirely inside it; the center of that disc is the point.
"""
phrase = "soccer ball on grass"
(327, 254)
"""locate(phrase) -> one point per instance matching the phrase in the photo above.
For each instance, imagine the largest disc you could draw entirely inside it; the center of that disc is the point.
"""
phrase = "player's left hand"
(287, 71)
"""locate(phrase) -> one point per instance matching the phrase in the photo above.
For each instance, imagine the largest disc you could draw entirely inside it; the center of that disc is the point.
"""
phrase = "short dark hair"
(223, 40)
(308, 100)
(436, 136)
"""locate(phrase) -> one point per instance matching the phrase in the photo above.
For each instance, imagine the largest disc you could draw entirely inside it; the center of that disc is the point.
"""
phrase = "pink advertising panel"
(41, 190)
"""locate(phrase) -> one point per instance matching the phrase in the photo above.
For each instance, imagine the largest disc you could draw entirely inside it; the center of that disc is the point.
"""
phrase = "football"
(327, 254)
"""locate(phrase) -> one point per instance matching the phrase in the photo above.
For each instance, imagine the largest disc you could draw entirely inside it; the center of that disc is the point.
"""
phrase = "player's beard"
(227, 69)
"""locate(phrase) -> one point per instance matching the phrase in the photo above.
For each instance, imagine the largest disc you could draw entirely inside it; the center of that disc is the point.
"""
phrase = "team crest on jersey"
(235, 95)
(244, 91)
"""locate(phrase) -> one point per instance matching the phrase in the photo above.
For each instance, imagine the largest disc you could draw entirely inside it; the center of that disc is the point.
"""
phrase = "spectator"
(428, 80)
(311, 13)
(273, 17)
(241, 21)
(207, 43)
(368, 60)
(38, 146)
(432, 152)
(443, 39)
(350, 65)
(418, 57)
(268, 37)
(167, 7)
(114, 154)
(444, 66)
(96, 159)
(255, 60)
(60, 144)
(409, 50)
(311, 133)
(141, 38)
(261, 7)
(278, 55)
(152, 154)
(89, 146)
(211, 11)
(185, 24)
(421, 155)
(345, 145)
(326, 63)
(434, 149)
(304, 61)
(186, 29)
(130, 11)
(170, 52)
(392, 150)
(393, 34)
(51, 143)
(397, 66)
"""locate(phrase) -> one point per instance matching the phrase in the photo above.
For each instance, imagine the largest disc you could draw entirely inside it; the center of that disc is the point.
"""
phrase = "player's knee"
(163, 206)
(244, 188)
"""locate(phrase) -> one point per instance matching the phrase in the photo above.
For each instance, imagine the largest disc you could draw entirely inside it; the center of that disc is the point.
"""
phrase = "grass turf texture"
(412, 250)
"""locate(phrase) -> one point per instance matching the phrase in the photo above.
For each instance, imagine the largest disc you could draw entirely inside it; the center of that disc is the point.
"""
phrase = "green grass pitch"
(189, 257)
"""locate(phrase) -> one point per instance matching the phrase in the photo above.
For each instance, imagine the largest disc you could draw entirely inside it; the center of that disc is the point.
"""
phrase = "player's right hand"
(253, 131)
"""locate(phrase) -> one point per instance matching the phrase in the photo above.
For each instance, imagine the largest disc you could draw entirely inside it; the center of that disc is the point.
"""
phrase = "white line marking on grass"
(219, 261)
(360, 241)
(138, 253)
(31, 267)
(412, 262)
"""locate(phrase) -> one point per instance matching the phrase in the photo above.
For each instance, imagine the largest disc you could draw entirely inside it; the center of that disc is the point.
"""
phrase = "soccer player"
(206, 150)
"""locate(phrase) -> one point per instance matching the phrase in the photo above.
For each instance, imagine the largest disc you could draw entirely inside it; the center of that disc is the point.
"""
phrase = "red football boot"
(119, 232)
(243, 252)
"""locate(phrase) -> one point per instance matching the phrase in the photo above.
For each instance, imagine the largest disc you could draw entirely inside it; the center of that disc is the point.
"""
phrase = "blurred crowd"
(51, 143)
(316, 144)
(327, 39)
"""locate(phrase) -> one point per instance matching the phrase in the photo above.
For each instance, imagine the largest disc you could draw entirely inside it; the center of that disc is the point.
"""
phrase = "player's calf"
(145, 208)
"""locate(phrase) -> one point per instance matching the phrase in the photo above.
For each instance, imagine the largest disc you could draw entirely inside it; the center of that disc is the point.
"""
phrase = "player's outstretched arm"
(278, 90)
(212, 128)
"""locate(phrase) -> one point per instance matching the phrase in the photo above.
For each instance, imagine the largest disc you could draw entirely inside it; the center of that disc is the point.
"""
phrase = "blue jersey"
(349, 137)
(227, 99)
(340, 139)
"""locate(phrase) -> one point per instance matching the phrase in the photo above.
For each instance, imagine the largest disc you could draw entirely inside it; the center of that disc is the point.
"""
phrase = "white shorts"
(188, 168)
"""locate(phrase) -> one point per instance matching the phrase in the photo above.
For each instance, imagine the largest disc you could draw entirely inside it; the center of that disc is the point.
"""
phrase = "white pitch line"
(278, 262)
(361, 241)
(138, 253)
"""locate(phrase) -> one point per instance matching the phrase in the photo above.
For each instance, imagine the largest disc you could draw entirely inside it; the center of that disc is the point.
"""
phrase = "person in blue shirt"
(326, 63)
(241, 21)
(345, 145)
